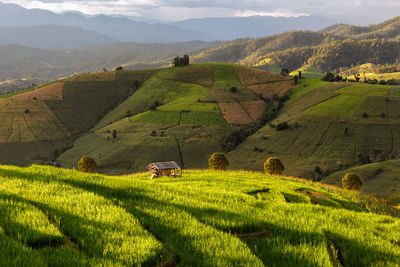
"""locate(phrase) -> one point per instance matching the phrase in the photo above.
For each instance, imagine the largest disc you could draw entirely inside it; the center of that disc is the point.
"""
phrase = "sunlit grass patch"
(341, 105)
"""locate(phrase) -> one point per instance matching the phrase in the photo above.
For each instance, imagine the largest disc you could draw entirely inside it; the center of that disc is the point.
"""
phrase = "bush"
(351, 181)
(273, 166)
(218, 161)
(282, 126)
(86, 164)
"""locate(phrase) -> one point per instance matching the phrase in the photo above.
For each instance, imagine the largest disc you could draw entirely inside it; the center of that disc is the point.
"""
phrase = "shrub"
(86, 164)
(365, 115)
(256, 148)
(282, 126)
(233, 89)
(273, 166)
(351, 181)
(218, 161)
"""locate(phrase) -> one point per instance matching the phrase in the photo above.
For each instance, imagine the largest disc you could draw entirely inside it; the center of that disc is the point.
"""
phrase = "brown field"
(247, 112)
(249, 76)
(267, 90)
(51, 92)
(27, 121)
(197, 74)
(254, 108)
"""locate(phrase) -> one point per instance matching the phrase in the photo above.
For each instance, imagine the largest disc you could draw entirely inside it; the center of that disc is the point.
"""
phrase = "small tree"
(86, 164)
(351, 181)
(218, 161)
(273, 166)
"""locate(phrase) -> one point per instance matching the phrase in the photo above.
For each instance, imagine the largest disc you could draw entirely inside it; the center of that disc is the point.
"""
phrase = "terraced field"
(61, 217)
(180, 114)
(40, 122)
(332, 125)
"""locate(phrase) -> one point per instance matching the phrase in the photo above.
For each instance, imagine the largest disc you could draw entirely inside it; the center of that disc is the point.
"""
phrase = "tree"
(296, 79)
(86, 164)
(351, 181)
(273, 166)
(114, 134)
(181, 61)
(300, 77)
(218, 161)
(186, 60)
(284, 72)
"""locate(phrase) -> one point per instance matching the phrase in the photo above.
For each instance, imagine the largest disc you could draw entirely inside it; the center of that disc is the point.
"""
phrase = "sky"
(175, 10)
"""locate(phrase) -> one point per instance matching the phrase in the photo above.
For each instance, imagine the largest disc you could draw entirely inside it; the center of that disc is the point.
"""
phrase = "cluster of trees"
(181, 61)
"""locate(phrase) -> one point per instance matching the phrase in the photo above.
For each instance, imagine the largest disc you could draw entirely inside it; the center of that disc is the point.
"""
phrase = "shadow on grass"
(180, 245)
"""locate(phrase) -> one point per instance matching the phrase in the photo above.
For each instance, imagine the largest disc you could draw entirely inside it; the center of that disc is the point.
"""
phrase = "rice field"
(205, 218)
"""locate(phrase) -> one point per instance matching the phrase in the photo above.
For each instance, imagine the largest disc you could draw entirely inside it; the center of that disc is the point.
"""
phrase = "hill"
(26, 62)
(332, 126)
(206, 218)
(52, 37)
(389, 30)
(182, 114)
(379, 178)
(38, 124)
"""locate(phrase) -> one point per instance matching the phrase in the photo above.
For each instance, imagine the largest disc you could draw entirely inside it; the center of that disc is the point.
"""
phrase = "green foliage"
(273, 166)
(218, 161)
(86, 164)
(181, 61)
(351, 181)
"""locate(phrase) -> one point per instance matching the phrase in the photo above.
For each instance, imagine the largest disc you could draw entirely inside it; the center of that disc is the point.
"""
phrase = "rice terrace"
(193, 133)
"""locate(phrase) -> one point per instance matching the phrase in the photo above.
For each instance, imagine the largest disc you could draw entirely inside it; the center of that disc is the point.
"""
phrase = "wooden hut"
(169, 168)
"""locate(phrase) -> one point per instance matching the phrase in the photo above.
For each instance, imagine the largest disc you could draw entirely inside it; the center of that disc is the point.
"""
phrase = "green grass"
(366, 90)
(304, 87)
(341, 105)
(309, 71)
(196, 220)
(225, 76)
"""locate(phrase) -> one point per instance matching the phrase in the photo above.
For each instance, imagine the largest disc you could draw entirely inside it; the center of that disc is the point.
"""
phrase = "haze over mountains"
(126, 30)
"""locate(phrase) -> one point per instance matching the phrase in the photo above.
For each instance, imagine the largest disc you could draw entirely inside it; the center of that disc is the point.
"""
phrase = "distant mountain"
(256, 26)
(389, 30)
(129, 30)
(53, 37)
(19, 61)
(121, 29)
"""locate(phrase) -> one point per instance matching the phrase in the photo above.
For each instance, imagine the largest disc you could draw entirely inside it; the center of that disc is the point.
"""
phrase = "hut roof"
(163, 165)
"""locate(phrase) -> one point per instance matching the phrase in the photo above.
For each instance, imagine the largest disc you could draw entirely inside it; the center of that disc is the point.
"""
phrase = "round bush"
(273, 166)
(86, 164)
(351, 181)
(218, 161)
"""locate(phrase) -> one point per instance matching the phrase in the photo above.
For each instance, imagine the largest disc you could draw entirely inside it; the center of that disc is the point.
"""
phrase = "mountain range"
(104, 29)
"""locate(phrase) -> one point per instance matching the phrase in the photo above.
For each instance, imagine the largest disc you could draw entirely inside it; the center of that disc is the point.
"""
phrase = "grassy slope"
(37, 126)
(206, 218)
(329, 126)
(378, 178)
(187, 126)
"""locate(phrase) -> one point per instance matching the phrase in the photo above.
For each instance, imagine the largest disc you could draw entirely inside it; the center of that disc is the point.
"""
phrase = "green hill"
(180, 114)
(379, 178)
(62, 217)
(39, 124)
(331, 125)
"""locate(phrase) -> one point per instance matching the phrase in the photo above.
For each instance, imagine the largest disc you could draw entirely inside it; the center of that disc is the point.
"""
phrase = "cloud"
(180, 9)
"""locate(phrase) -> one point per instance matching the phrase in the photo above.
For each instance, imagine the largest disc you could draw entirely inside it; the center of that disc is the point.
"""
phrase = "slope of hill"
(39, 124)
(389, 30)
(332, 125)
(379, 178)
(53, 37)
(207, 218)
(180, 114)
